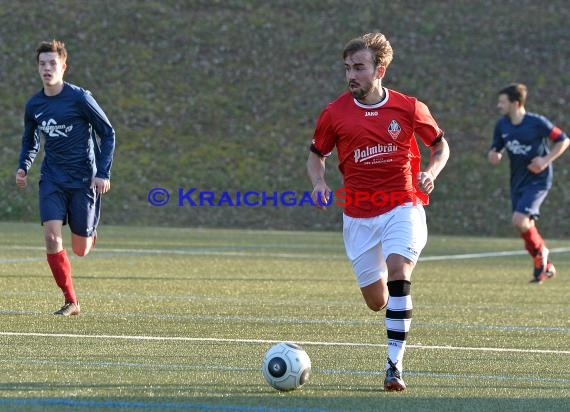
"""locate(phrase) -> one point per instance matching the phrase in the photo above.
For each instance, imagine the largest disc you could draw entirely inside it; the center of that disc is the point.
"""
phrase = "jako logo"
(368, 114)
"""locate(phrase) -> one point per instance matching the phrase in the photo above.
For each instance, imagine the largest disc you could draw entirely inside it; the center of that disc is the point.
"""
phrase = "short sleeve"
(554, 133)
(425, 126)
(324, 138)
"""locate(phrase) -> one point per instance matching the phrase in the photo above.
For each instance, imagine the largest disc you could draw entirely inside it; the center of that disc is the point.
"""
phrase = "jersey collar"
(373, 106)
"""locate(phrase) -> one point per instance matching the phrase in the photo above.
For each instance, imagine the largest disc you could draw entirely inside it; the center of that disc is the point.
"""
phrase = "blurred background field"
(224, 95)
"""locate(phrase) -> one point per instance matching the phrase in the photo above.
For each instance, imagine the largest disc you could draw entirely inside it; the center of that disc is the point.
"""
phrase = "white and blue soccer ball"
(286, 366)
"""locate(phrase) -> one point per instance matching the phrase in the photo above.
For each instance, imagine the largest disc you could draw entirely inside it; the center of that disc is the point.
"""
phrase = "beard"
(361, 92)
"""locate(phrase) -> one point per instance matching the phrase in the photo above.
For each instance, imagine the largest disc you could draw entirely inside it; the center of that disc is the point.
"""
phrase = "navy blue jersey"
(524, 142)
(70, 123)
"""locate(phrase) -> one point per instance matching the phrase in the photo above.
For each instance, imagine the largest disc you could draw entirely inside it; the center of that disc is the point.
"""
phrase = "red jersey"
(378, 154)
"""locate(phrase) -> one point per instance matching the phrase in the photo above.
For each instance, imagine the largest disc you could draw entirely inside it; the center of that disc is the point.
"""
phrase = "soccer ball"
(286, 366)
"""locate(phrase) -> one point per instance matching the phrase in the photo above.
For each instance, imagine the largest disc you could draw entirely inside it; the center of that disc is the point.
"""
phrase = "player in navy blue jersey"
(79, 142)
(524, 136)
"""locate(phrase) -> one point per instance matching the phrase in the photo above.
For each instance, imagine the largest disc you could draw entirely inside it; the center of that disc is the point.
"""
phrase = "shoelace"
(394, 369)
(66, 306)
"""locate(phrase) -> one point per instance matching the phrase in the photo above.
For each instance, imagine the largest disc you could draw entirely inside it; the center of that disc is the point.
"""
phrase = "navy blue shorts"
(527, 200)
(80, 207)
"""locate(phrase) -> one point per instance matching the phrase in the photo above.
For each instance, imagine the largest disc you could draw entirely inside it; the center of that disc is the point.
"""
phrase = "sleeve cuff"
(438, 139)
(316, 151)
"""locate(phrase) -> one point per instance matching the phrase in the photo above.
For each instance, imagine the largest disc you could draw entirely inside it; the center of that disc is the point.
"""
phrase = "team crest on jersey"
(394, 129)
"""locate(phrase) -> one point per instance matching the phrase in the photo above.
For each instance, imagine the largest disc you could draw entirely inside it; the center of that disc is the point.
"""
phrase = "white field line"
(157, 405)
(488, 254)
(238, 253)
(267, 341)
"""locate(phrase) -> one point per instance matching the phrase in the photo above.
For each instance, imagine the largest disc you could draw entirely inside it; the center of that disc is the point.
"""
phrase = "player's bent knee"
(521, 226)
(375, 295)
(376, 303)
(375, 307)
(521, 222)
(80, 245)
(80, 252)
(81, 249)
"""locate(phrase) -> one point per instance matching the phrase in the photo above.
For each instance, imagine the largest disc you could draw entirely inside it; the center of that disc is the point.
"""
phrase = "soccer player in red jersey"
(79, 143)
(384, 228)
(524, 136)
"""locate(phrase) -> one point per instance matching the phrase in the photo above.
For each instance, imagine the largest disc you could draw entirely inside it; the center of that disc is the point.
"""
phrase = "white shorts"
(369, 241)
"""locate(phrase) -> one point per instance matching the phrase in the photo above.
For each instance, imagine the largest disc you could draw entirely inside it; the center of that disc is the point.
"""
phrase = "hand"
(321, 191)
(426, 182)
(537, 164)
(494, 157)
(21, 178)
(101, 185)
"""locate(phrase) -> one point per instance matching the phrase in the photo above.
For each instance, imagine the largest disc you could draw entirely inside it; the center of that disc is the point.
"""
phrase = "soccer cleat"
(68, 309)
(540, 262)
(393, 380)
(549, 273)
